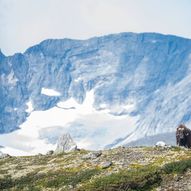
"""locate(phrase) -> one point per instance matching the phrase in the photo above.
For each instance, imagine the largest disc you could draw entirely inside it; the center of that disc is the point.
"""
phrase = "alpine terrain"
(105, 91)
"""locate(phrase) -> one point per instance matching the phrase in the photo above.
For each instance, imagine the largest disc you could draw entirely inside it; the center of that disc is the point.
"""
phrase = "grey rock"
(70, 186)
(65, 144)
(106, 164)
(51, 152)
(92, 155)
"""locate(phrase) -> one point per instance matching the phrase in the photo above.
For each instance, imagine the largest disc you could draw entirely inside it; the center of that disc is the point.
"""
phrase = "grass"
(68, 172)
(140, 179)
(67, 178)
(55, 179)
(177, 167)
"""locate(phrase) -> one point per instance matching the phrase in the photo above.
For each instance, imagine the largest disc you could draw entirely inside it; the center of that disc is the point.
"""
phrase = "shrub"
(139, 179)
(177, 167)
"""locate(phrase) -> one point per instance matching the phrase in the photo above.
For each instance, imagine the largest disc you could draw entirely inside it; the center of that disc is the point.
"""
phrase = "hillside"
(138, 168)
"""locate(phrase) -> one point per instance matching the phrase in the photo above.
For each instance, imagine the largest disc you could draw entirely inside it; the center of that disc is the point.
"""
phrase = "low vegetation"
(144, 168)
(177, 167)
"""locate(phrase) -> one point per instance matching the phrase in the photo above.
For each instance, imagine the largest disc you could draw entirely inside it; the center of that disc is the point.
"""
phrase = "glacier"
(140, 81)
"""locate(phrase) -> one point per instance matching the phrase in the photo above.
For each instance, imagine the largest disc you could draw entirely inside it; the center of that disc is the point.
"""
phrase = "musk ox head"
(182, 132)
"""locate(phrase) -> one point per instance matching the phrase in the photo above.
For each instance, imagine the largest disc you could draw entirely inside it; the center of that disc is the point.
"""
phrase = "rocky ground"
(138, 168)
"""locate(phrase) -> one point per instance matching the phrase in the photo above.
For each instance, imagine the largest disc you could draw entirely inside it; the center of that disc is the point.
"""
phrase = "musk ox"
(183, 136)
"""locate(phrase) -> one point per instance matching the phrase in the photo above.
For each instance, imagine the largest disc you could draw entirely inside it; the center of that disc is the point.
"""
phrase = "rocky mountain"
(141, 79)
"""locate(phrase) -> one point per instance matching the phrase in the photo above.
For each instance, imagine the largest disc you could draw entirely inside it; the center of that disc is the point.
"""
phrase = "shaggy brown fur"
(183, 136)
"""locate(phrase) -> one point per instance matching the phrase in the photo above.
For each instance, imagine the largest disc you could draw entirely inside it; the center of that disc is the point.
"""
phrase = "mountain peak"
(1, 54)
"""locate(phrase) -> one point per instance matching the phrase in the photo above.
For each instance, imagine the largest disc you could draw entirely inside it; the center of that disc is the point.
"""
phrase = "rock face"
(148, 71)
(65, 144)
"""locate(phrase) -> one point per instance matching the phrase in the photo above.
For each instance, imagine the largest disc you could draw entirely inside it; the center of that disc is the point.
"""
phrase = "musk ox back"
(183, 136)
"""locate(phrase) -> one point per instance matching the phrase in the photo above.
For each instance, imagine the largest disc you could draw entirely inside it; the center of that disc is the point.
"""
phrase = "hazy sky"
(24, 23)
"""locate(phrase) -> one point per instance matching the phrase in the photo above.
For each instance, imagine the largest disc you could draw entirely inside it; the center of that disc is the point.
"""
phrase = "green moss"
(5, 182)
(141, 178)
(176, 148)
(135, 165)
(7, 160)
(138, 179)
(26, 181)
(83, 151)
(3, 171)
(145, 148)
(69, 178)
(49, 180)
(67, 171)
(159, 161)
(40, 160)
(177, 167)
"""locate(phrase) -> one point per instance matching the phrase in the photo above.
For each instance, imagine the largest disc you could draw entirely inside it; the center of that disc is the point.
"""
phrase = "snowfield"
(90, 129)
(50, 92)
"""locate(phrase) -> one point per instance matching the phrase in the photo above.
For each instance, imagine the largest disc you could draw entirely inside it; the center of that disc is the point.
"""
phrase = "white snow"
(14, 152)
(78, 79)
(71, 103)
(50, 92)
(98, 128)
(160, 144)
(30, 107)
(11, 78)
(120, 109)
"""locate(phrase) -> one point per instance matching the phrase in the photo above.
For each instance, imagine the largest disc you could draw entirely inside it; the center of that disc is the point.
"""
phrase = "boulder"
(106, 164)
(51, 152)
(92, 155)
(65, 144)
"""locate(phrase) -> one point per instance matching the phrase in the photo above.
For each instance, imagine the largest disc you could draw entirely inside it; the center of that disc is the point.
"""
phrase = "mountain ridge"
(132, 74)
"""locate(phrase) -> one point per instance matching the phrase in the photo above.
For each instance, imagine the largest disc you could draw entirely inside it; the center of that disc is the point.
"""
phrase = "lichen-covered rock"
(106, 164)
(65, 144)
(51, 152)
(92, 155)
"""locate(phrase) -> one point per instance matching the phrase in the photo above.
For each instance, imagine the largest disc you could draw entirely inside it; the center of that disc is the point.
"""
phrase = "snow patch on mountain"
(12, 79)
(50, 92)
(90, 128)
(29, 107)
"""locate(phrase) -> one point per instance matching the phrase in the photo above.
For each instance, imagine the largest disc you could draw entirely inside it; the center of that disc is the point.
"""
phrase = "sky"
(24, 23)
